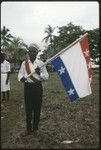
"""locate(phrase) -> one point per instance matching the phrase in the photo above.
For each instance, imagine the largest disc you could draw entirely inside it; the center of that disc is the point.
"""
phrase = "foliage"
(17, 48)
(6, 38)
(49, 31)
(68, 34)
(14, 47)
(94, 40)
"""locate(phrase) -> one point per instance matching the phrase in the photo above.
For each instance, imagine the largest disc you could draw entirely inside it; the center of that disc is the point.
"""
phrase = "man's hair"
(33, 46)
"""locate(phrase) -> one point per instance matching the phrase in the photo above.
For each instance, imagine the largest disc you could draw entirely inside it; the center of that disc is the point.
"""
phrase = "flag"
(74, 69)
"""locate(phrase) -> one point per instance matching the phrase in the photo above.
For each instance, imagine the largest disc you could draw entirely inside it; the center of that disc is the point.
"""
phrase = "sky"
(28, 20)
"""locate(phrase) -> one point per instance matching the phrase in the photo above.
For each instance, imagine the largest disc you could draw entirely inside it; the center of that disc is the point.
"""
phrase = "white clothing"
(37, 63)
(5, 67)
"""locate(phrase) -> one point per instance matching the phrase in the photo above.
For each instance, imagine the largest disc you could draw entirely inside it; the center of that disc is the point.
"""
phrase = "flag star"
(89, 65)
(71, 91)
(61, 70)
(86, 52)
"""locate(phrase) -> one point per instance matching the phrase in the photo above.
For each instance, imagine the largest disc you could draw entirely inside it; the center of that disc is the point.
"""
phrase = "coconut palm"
(17, 51)
(17, 48)
(6, 38)
(49, 38)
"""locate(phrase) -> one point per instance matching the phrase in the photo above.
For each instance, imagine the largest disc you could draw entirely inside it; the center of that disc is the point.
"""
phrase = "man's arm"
(8, 75)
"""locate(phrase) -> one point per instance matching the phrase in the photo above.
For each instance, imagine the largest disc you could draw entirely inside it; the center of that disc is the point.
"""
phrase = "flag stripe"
(66, 80)
(85, 51)
(77, 68)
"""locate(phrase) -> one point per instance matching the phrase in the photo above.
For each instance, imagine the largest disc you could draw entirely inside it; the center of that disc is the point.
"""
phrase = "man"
(5, 74)
(33, 90)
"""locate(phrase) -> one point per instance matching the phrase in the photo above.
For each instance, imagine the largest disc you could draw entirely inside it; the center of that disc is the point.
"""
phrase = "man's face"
(33, 53)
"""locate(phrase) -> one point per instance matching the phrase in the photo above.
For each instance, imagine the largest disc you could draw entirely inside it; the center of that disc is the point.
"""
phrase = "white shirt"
(5, 67)
(37, 63)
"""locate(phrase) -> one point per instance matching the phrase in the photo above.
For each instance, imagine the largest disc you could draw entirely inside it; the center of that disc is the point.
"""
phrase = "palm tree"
(17, 48)
(6, 38)
(49, 38)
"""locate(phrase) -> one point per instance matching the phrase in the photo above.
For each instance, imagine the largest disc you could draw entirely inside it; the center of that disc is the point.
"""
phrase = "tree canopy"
(68, 34)
(6, 37)
(14, 47)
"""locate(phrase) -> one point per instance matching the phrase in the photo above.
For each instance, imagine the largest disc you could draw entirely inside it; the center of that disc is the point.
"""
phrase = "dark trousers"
(33, 100)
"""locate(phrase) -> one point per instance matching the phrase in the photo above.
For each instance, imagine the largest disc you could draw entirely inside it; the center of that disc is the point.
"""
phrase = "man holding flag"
(73, 65)
(33, 90)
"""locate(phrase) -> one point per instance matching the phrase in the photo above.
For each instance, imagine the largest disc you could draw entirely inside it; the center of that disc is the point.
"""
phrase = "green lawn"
(60, 119)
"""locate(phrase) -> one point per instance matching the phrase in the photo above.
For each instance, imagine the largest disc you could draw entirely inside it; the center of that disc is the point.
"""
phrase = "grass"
(60, 119)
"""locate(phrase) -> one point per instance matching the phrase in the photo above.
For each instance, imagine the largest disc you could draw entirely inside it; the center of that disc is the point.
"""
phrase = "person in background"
(33, 90)
(5, 74)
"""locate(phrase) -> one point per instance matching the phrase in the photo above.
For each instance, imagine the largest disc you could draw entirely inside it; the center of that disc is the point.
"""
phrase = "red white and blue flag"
(74, 69)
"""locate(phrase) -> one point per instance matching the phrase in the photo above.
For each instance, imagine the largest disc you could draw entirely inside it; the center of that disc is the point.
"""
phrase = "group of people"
(33, 90)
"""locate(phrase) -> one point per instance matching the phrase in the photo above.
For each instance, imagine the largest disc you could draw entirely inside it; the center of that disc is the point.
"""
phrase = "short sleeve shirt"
(5, 67)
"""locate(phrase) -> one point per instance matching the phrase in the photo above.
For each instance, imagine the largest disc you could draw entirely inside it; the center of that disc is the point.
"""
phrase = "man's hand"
(23, 79)
(37, 70)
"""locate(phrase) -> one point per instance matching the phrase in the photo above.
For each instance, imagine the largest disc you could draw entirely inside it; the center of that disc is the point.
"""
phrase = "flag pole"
(63, 50)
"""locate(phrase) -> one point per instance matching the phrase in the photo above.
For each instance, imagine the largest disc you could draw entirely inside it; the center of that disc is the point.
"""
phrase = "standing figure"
(5, 74)
(33, 90)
